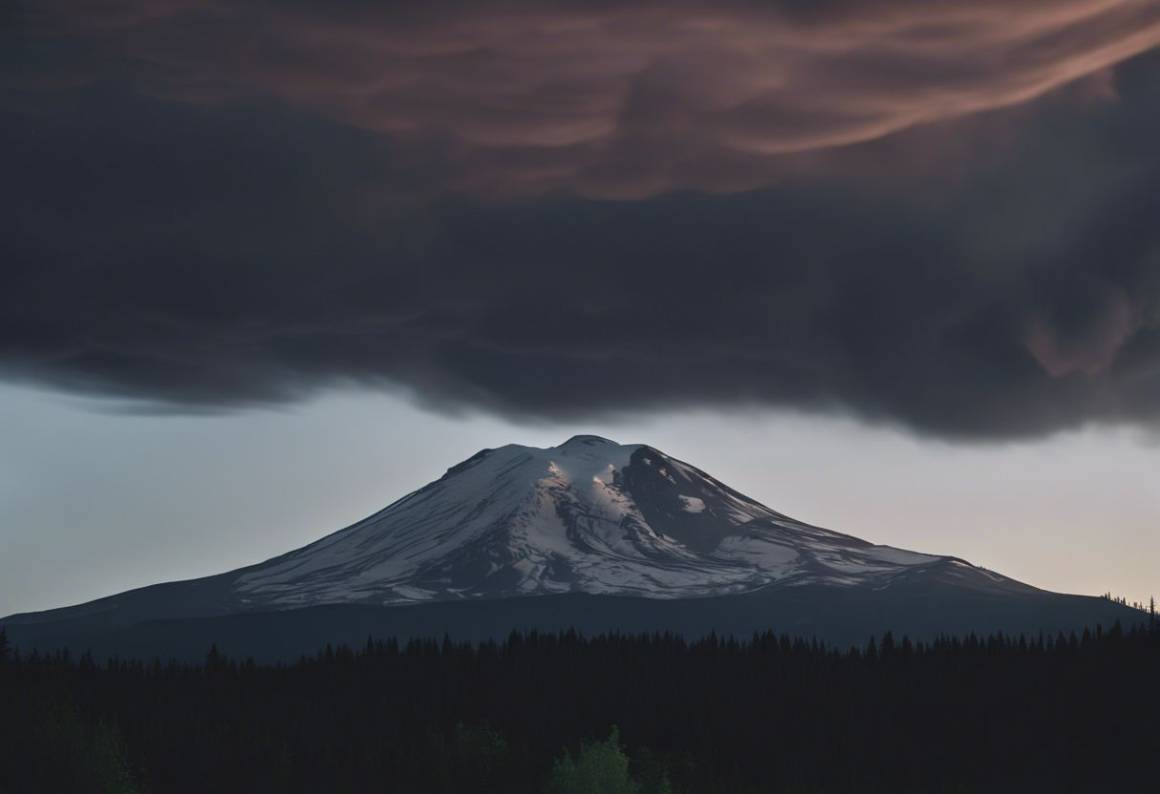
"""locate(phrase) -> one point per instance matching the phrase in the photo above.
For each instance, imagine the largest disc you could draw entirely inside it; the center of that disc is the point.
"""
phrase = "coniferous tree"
(599, 768)
(109, 761)
(771, 714)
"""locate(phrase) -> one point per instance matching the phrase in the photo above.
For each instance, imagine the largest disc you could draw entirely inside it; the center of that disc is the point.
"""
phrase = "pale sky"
(94, 500)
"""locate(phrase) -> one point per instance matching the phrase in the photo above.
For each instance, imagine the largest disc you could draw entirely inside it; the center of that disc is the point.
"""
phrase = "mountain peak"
(585, 519)
(588, 516)
(588, 441)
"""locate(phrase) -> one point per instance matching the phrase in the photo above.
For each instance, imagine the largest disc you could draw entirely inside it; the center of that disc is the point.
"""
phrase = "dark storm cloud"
(564, 212)
(610, 99)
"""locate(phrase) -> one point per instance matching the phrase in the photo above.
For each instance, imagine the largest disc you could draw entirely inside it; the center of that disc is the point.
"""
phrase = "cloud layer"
(616, 99)
(941, 215)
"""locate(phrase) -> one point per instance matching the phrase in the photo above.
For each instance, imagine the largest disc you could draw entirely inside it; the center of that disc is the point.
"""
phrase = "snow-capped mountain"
(589, 516)
(591, 535)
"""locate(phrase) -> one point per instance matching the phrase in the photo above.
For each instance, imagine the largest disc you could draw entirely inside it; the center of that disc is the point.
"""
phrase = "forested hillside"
(648, 713)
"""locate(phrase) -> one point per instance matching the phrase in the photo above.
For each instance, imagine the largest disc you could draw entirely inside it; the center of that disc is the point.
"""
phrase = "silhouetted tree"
(773, 714)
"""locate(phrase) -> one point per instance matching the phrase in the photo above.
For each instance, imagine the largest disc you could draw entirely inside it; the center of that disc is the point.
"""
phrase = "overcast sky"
(892, 267)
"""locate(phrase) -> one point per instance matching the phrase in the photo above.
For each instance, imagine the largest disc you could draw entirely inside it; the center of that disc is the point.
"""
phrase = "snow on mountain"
(589, 516)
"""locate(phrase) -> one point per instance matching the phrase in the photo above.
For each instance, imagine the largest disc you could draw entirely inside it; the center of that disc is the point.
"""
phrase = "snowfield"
(589, 516)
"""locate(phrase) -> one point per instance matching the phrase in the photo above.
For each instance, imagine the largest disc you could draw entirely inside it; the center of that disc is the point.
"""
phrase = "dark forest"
(768, 714)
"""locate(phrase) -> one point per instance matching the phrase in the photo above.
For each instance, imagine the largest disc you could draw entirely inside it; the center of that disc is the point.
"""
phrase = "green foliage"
(478, 753)
(599, 768)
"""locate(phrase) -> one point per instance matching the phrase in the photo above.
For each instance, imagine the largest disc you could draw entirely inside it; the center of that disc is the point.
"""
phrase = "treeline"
(1150, 607)
(1077, 713)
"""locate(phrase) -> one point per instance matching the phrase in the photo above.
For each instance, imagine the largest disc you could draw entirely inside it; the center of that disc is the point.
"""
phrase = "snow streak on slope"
(587, 516)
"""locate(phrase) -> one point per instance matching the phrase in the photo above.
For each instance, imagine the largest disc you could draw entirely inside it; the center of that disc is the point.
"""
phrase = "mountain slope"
(588, 516)
(589, 534)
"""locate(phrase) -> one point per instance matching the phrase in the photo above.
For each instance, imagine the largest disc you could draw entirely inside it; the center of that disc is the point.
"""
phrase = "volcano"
(590, 534)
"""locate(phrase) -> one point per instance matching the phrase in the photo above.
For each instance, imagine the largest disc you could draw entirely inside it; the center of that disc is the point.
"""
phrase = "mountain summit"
(589, 534)
(587, 516)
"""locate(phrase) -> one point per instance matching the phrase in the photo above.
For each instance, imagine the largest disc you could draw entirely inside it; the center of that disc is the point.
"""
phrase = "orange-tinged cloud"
(629, 100)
